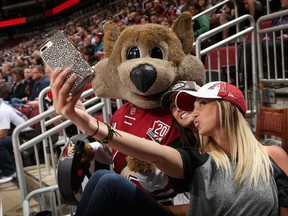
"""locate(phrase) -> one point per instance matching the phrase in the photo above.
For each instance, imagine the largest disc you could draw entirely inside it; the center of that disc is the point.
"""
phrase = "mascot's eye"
(133, 53)
(156, 52)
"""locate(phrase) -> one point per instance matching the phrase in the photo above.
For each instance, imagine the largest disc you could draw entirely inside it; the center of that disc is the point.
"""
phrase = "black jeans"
(7, 164)
(108, 193)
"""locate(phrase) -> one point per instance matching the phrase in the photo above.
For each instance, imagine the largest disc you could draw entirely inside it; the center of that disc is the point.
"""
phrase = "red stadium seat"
(221, 60)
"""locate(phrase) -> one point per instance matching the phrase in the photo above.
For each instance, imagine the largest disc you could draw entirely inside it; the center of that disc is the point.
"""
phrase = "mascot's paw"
(87, 152)
(142, 167)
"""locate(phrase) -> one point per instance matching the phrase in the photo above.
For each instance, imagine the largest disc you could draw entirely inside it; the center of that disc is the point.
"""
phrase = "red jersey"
(153, 124)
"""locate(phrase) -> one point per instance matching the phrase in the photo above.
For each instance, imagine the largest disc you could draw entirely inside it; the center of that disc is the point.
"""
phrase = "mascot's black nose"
(143, 77)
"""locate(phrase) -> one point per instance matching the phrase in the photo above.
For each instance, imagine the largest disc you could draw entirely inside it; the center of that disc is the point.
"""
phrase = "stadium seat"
(222, 60)
(272, 124)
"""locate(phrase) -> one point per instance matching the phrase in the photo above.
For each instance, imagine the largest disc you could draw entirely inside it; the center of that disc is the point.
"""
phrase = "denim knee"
(94, 179)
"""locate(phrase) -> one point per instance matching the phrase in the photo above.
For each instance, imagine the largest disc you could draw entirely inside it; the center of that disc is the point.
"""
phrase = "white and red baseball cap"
(213, 90)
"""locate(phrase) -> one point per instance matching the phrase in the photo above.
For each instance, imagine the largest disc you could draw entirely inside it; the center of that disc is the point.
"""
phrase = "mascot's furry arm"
(98, 152)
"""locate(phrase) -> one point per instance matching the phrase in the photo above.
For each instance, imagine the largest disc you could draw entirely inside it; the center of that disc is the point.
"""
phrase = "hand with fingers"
(69, 105)
(63, 102)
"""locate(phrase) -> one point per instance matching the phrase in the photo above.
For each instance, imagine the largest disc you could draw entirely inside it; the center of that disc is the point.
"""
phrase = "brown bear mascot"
(140, 64)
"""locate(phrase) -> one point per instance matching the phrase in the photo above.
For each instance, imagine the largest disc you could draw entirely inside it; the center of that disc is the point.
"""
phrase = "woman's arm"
(3, 133)
(281, 159)
(279, 156)
(283, 211)
(177, 210)
(165, 158)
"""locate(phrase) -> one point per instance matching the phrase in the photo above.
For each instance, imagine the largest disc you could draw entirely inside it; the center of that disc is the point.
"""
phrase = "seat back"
(263, 25)
(220, 57)
(219, 62)
(272, 122)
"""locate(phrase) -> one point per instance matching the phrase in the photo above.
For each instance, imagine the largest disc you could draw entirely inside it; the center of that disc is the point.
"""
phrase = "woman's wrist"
(109, 133)
(84, 121)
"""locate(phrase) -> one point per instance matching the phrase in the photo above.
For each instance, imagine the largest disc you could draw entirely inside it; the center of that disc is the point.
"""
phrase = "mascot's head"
(143, 61)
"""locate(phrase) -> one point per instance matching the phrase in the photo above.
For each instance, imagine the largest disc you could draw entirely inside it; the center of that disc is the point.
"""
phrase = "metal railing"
(227, 66)
(95, 104)
(214, 7)
(276, 70)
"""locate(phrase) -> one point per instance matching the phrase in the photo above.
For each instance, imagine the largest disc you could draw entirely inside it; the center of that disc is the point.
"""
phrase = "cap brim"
(185, 99)
(165, 100)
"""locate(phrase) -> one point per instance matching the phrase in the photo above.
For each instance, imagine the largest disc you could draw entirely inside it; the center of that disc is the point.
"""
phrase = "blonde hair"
(251, 159)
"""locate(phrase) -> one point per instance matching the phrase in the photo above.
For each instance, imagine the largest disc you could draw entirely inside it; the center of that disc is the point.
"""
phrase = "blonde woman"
(233, 174)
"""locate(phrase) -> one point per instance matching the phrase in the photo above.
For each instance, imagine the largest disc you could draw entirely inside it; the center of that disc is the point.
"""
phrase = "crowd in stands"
(25, 75)
(86, 32)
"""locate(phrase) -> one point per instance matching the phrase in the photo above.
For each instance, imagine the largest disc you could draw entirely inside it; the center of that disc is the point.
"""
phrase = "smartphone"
(59, 51)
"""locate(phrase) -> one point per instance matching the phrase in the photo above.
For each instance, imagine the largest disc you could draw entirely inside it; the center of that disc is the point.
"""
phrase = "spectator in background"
(148, 8)
(76, 39)
(159, 9)
(200, 25)
(182, 7)
(144, 19)
(166, 22)
(19, 84)
(19, 62)
(154, 18)
(19, 102)
(36, 58)
(5, 89)
(121, 26)
(41, 81)
(89, 47)
(275, 5)
(88, 50)
(205, 5)
(226, 13)
(30, 81)
(133, 18)
(1, 76)
(9, 119)
(169, 8)
(89, 57)
(29, 105)
(81, 33)
(27, 61)
(6, 68)
(98, 51)
(33, 106)
(255, 8)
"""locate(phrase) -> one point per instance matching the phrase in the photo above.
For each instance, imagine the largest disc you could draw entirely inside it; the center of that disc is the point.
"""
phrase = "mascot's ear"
(184, 31)
(111, 34)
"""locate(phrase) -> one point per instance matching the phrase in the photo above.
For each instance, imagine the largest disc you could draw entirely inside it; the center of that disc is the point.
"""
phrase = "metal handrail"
(234, 40)
(218, 29)
(19, 148)
(217, 6)
(26, 206)
(272, 29)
